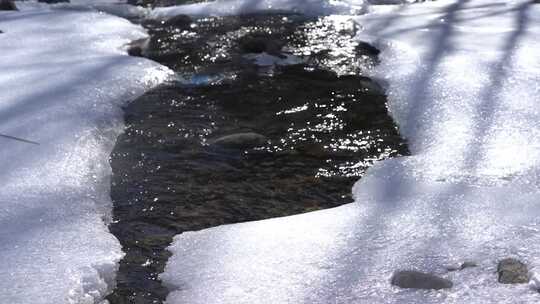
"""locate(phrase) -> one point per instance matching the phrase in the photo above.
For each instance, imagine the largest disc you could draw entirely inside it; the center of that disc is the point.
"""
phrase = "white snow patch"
(463, 83)
(237, 7)
(114, 7)
(63, 77)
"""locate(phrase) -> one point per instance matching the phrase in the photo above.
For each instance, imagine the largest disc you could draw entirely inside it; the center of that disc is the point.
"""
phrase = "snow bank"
(236, 7)
(114, 7)
(348, 254)
(63, 78)
(463, 82)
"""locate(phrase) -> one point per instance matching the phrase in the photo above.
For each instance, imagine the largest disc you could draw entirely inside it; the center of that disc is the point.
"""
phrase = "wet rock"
(241, 140)
(453, 267)
(464, 265)
(419, 280)
(259, 43)
(349, 28)
(7, 5)
(138, 47)
(367, 49)
(512, 271)
(468, 265)
(181, 21)
(135, 51)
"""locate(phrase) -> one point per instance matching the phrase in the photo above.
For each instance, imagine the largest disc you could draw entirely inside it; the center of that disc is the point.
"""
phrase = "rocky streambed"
(269, 116)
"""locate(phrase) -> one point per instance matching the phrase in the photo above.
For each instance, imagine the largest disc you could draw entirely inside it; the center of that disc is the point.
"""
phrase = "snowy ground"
(63, 76)
(463, 83)
(235, 7)
(114, 7)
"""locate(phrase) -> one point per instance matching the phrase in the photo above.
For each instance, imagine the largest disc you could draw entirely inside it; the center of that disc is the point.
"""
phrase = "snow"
(236, 7)
(64, 75)
(466, 91)
(463, 83)
(114, 7)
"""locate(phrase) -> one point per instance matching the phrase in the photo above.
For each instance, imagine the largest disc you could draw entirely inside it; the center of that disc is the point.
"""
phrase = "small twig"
(19, 139)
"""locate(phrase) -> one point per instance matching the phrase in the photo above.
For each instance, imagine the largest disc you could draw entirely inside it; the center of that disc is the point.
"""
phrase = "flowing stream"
(269, 116)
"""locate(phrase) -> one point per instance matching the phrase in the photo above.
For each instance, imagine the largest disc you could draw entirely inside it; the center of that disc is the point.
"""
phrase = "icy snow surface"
(114, 7)
(463, 83)
(63, 77)
(235, 7)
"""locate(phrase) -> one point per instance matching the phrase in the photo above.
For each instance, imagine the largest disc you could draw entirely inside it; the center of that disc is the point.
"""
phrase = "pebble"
(419, 280)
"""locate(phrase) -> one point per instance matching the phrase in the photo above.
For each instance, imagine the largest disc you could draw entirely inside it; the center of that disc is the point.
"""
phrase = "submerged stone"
(512, 271)
(367, 49)
(468, 265)
(137, 47)
(419, 280)
(259, 43)
(241, 140)
(181, 21)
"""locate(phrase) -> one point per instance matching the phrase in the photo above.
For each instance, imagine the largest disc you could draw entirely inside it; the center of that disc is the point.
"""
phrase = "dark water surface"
(231, 141)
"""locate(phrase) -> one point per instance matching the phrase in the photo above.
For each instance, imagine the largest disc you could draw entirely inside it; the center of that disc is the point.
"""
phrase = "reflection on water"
(231, 141)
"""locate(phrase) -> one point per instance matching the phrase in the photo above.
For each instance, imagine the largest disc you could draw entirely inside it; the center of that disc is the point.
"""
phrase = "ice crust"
(462, 79)
(63, 77)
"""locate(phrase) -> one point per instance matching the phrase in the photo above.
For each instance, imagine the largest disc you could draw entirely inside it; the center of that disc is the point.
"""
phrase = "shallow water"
(315, 127)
